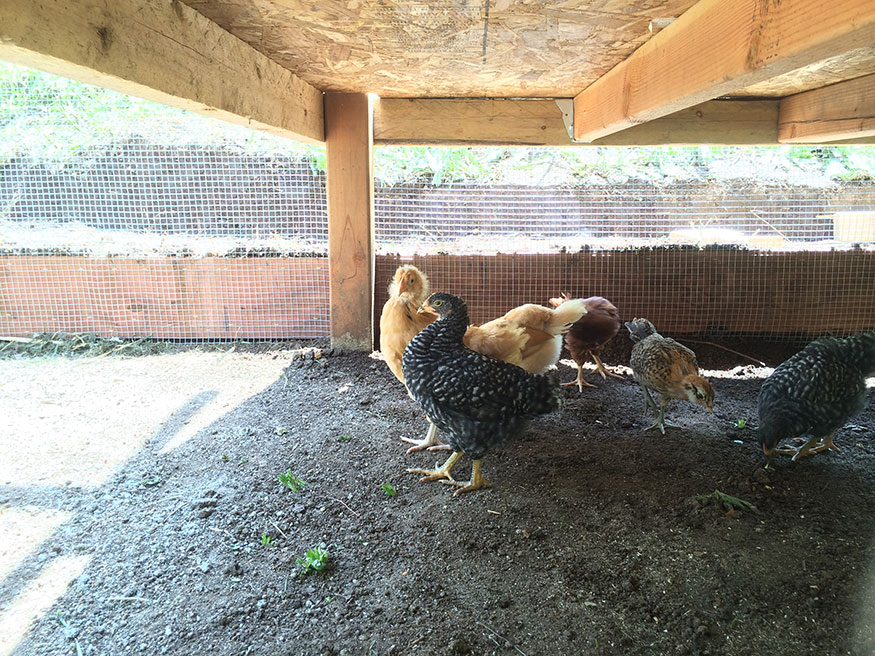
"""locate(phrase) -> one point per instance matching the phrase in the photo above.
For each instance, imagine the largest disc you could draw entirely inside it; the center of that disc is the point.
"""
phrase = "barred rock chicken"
(663, 365)
(529, 336)
(814, 393)
(589, 334)
(478, 401)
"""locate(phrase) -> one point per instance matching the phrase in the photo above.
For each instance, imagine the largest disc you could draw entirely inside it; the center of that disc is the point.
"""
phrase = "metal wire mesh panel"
(717, 258)
(123, 217)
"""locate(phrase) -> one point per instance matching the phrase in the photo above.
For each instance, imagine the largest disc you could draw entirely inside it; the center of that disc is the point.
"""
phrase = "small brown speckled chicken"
(589, 334)
(663, 365)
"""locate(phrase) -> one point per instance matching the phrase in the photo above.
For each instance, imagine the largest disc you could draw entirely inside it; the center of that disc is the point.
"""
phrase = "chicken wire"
(718, 258)
(166, 224)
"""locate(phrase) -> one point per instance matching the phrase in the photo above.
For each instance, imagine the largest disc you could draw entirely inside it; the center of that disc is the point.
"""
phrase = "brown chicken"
(589, 334)
(529, 336)
(663, 365)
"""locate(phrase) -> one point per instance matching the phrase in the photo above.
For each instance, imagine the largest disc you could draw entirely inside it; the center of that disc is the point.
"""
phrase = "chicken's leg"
(442, 472)
(579, 381)
(660, 422)
(602, 369)
(477, 481)
(812, 446)
(430, 441)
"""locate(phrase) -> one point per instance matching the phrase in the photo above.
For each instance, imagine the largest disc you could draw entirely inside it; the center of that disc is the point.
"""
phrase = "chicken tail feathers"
(565, 316)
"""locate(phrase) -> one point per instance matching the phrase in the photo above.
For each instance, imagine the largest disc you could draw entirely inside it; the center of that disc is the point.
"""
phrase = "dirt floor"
(142, 514)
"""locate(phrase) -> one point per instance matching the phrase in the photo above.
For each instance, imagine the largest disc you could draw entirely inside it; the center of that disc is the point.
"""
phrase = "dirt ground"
(142, 514)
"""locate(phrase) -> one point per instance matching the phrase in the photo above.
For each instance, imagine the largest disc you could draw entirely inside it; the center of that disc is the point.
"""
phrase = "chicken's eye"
(699, 395)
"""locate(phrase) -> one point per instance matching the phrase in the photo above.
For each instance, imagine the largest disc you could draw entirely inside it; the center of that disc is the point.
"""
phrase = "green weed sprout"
(316, 560)
(344, 438)
(741, 423)
(265, 540)
(388, 489)
(292, 482)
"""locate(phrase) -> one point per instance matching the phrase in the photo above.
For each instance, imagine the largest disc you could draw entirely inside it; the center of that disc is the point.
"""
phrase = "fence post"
(349, 142)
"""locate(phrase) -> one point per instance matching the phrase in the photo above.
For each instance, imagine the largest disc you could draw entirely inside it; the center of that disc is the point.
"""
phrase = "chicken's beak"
(769, 452)
(425, 307)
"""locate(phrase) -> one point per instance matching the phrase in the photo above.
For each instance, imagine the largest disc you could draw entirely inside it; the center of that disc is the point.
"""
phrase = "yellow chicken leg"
(477, 481)
(430, 441)
(602, 369)
(443, 472)
(579, 381)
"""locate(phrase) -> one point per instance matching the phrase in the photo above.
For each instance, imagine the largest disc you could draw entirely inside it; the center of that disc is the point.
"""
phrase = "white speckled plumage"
(816, 391)
(476, 400)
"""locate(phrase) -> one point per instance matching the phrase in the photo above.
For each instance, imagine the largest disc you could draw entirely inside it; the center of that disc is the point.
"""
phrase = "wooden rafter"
(716, 47)
(839, 111)
(161, 50)
(539, 123)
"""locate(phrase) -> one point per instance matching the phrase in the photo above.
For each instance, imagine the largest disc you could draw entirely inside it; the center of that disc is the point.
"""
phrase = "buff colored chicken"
(529, 336)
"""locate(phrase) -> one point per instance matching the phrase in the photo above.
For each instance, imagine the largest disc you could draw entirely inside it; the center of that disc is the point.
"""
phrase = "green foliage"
(292, 482)
(49, 118)
(265, 540)
(344, 438)
(728, 501)
(741, 423)
(388, 489)
(316, 560)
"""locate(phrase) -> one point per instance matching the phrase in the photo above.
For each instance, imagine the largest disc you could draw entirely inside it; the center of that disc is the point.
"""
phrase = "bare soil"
(156, 480)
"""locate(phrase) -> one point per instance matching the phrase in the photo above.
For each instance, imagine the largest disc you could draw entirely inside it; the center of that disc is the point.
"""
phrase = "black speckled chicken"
(662, 365)
(814, 393)
(478, 401)
(589, 334)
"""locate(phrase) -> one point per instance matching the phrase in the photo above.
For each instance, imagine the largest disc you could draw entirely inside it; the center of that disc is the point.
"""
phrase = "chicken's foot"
(811, 446)
(602, 369)
(477, 481)
(442, 472)
(660, 422)
(430, 441)
(579, 381)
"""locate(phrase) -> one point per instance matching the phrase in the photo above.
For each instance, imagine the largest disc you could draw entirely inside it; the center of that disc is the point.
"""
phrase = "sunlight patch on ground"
(22, 530)
(80, 431)
(37, 598)
(736, 373)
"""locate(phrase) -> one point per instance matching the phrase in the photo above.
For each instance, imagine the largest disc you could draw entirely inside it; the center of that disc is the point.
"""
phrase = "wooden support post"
(349, 142)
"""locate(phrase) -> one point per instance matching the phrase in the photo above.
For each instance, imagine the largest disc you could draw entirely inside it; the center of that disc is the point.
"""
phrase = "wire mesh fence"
(125, 218)
(136, 219)
(716, 258)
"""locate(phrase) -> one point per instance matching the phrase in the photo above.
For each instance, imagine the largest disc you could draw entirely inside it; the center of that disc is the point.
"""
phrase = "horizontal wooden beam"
(715, 48)
(839, 111)
(539, 123)
(447, 122)
(164, 51)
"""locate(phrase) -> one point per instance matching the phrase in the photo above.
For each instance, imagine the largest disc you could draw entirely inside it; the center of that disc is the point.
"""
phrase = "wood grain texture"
(839, 111)
(164, 51)
(350, 186)
(164, 298)
(444, 48)
(680, 290)
(539, 123)
(715, 48)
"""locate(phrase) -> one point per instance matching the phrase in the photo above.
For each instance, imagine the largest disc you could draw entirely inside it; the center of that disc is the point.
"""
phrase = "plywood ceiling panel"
(444, 48)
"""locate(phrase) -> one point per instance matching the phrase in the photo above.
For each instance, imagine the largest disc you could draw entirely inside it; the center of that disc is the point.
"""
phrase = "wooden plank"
(164, 51)
(839, 111)
(714, 48)
(165, 297)
(709, 291)
(350, 187)
(539, 123)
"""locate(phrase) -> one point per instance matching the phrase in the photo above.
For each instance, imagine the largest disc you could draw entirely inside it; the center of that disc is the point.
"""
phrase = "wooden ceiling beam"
(839, 111)
(161, 50)
(714, 48)
(466, 122)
